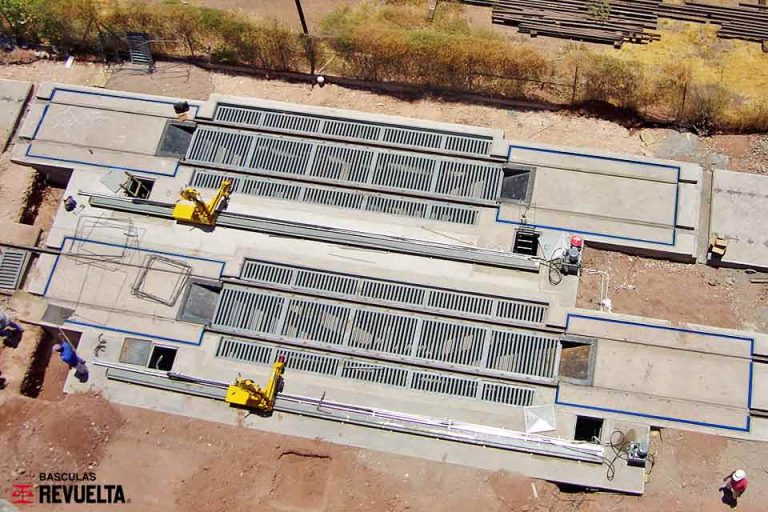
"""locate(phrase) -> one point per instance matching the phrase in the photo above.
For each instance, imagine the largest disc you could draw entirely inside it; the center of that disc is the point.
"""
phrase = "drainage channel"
(409, 338)
(329, 235)
(391, 421)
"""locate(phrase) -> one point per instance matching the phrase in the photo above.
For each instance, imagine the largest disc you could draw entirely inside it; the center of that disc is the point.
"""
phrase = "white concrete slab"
(13, 98)
(739, 210)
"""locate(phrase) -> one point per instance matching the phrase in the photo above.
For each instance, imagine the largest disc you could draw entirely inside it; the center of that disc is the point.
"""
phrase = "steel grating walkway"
(362, 167)
(13, 263)
(414, 138)
(349, 199)
(391, 293)
(402, 337)
(369, 371)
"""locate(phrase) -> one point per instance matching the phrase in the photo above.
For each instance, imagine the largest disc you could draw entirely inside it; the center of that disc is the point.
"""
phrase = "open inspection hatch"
(517, 183)
(176, 138)
(577, 359)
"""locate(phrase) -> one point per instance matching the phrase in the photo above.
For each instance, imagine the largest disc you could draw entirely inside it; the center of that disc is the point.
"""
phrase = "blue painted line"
(102, 166)
(674, 329)
(119, 96)
(590, 155)
(611, 159)
(582, 232)
(114, 329)
(137, 333)
(40, 121)
(653, 416)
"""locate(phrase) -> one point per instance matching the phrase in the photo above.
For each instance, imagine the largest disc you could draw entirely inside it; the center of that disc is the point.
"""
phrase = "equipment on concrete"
(246, 393)
(717, 246)
(198, 211)
(637, 454)
(571, 264)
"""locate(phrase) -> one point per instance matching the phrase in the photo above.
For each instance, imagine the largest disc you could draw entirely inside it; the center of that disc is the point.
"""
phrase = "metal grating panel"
(265, 313)
(372, 371)
(391, 293)
(266, 187)
(368, 167)
(363, 131)
(13, 263)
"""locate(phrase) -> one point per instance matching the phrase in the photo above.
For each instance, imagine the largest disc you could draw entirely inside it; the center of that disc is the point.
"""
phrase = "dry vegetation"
(681, 79)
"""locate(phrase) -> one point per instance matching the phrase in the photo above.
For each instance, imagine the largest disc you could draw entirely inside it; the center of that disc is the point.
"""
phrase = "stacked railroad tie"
(628, 21)
(632, 21)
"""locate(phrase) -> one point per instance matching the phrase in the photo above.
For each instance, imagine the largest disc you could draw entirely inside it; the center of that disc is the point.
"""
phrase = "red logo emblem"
(22, 494)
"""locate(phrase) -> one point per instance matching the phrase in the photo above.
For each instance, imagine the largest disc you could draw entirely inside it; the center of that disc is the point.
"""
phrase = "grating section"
(516, 352)
(354, 130)
(13, 263)
(266, 187)
(371, 371)
(259, 313)
(391, 293)
(380, 168)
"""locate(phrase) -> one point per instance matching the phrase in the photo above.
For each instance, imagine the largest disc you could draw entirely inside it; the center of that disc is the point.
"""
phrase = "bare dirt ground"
(173, 463)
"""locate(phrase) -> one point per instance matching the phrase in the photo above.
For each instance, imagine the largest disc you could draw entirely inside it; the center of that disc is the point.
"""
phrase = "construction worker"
(735, 485)
(8, 328)
(68, 355)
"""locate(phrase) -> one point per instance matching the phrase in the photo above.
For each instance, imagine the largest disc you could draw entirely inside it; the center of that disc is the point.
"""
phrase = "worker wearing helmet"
(735, 485)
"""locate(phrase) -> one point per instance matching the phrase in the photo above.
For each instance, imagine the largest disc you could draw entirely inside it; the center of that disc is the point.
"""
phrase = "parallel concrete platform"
(739, 210)
(372, 325)
(13, 98)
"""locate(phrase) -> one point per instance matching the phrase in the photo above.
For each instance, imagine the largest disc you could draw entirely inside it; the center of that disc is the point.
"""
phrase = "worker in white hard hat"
(735, 485)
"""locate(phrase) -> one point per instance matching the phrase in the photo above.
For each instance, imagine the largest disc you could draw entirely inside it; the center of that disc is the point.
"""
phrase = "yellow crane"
(192, 208)
(246, 393)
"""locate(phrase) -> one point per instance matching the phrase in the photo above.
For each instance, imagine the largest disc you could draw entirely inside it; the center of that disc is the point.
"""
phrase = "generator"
(637, 454)
(571, 259)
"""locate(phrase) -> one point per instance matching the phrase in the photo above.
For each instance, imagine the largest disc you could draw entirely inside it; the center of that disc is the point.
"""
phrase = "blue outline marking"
(676, 168)
(114, 329)
(137, 333)
(751, 341)
(90, 164)
(119, 96)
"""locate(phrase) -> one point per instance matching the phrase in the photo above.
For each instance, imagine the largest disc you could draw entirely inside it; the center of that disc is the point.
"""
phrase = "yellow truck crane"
(191, 207)
(246, 393)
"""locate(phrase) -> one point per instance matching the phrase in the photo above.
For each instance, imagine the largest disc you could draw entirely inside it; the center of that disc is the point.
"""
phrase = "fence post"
(575, 81)
(681, 115)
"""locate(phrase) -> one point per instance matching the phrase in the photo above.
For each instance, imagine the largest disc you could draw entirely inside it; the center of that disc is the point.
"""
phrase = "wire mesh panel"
(357, 130)
(358, 369)
(13, 263)
(339, 198)
(388, 292)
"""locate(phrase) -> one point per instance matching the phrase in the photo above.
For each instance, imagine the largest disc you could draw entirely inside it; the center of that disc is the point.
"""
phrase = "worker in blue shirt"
(68, 355)
(5, 323)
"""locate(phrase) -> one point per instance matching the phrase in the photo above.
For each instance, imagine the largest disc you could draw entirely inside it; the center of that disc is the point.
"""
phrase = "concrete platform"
(645, 205)
(667, 375)
(739, 210)
(13, 97)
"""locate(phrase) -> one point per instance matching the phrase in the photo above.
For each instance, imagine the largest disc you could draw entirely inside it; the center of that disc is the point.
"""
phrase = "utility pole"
(301, 17)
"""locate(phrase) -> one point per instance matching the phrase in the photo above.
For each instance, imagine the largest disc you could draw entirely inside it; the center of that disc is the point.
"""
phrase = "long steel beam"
(393, 421)
(330, 235)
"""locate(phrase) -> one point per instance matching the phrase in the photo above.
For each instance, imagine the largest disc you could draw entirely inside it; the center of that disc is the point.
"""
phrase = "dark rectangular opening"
(576, 360)
(162, 358)
(517, 184)
(176, 139)
(139, 188)
(588, 429)
(526, 241)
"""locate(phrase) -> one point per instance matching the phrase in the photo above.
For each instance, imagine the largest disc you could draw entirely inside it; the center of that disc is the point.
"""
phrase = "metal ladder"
(139, 50)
